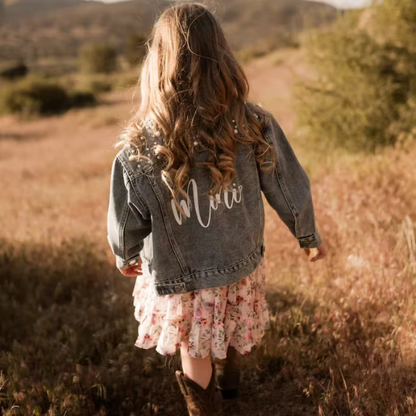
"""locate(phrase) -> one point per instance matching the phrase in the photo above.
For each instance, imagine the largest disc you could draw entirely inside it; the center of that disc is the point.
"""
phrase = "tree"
(98, 58)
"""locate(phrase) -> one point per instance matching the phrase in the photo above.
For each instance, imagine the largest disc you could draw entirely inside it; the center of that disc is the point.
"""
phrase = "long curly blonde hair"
(195, 91)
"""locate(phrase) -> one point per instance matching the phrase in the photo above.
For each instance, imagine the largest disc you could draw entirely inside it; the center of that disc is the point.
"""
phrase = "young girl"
(186, 212)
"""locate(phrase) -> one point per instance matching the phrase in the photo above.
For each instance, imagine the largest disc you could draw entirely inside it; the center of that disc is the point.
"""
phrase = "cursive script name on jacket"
(229, 196)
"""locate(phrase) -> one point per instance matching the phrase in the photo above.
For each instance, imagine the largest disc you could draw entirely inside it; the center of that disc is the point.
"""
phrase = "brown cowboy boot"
(227, 373)
(200, 402)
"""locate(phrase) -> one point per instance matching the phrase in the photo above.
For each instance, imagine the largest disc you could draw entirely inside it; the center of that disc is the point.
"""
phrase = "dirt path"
(272, 78)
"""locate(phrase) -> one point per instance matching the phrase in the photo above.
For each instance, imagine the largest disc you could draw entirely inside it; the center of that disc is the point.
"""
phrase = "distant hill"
(34, 29)
(24, 8)
(17, 9)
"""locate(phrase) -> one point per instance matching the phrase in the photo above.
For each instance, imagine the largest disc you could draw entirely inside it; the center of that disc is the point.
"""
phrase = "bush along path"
(364, 95)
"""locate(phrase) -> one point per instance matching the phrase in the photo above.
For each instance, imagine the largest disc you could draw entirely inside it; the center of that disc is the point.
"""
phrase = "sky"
(347, 4)
(341, 4)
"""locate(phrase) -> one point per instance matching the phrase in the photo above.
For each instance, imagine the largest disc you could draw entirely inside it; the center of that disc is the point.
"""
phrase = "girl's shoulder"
(260, 113)
(139, 157)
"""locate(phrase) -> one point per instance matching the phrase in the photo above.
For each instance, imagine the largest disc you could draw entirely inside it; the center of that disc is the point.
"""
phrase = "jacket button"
(178, 288)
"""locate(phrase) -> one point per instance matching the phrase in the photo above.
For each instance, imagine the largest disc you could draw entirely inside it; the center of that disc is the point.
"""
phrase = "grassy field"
(342, 340)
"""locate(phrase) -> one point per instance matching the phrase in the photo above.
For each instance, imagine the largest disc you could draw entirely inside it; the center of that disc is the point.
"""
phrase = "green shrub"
(13, 71)
(98, 58)
(98, 86)
(37, 97)
(81, 99)
(135, 49)
(365, 92)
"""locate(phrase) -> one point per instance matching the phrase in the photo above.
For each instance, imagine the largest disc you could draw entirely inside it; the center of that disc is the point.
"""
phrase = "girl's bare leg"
(197, 369)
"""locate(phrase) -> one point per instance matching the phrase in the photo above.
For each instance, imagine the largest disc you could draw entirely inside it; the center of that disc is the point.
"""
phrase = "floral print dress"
(212, 319)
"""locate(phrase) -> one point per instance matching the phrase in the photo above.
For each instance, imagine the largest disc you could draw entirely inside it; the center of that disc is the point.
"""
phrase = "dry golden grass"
(62, 165)
(342, 339)
(347, 334)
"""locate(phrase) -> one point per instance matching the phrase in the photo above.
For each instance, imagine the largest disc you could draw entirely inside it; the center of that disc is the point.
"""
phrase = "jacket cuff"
(125, 264)
(310, 241)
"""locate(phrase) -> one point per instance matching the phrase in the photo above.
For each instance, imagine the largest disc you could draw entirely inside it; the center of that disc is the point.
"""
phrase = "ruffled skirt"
(212, 319)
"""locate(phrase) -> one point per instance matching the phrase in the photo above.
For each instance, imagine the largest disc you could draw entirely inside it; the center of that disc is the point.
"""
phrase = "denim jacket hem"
(205, 279)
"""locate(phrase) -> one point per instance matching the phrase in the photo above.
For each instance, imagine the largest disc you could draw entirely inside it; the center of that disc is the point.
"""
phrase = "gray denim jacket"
(220, 240)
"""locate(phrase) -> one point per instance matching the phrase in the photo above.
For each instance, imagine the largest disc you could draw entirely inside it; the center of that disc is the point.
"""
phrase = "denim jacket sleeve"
(128, 221)
(288, 190)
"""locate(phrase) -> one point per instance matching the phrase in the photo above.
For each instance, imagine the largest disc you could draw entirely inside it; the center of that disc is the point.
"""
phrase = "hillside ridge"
(34, 29)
